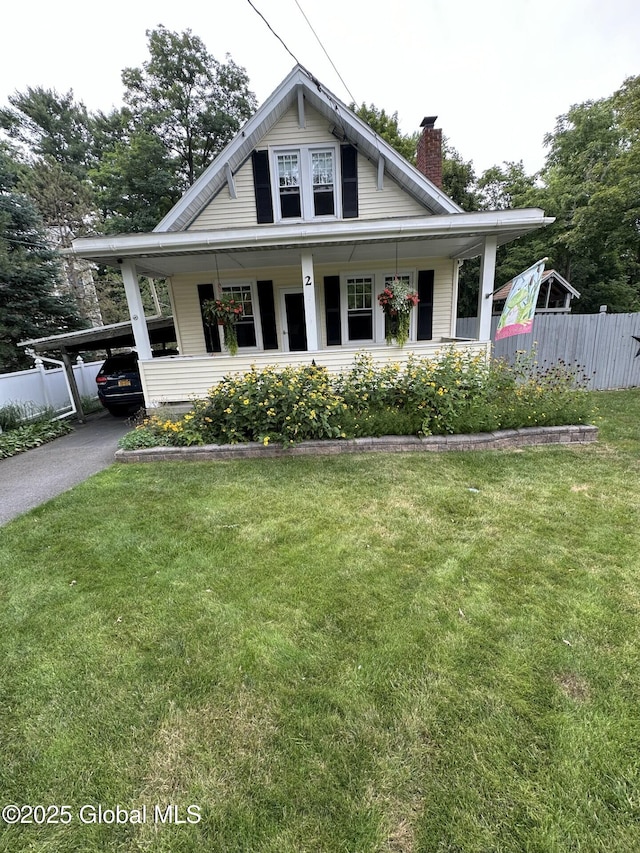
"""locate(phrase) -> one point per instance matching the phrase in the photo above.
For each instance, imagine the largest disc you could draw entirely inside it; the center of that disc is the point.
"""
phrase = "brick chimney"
(429, 153)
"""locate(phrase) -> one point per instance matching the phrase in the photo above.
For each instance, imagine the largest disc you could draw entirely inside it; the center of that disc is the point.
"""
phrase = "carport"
(117, 335)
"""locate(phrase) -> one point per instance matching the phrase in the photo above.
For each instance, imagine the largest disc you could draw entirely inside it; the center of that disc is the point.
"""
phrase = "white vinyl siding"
(288, 133)
(387, 203)
(226, 212)
(180, 379)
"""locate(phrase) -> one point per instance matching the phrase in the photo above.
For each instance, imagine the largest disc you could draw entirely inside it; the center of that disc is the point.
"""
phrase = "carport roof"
(161, 330)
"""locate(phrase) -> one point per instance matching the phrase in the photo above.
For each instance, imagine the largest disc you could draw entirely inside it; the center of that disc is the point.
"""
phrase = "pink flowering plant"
(224, 312)
(397, 301)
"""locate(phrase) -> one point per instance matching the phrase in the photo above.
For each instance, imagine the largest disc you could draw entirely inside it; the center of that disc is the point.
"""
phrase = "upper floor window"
(306, 182)
(322, 172)
(289, 184)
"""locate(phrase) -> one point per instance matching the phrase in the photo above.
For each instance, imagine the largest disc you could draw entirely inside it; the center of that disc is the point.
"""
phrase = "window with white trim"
(289, 184)
(360, 308)
(322, 171)
(306, 182)
(246, 326)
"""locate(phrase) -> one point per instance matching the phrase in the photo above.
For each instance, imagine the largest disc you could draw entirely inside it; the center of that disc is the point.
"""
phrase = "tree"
(386, 126)
(134, 183)
(592, 187)
(50, 125)
(30, 306)
(458, 178)
(192, 103)
(506, 186)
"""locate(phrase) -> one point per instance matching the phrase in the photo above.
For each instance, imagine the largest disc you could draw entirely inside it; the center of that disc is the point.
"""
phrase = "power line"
(274, 32)
(325, 51)
(334, 105)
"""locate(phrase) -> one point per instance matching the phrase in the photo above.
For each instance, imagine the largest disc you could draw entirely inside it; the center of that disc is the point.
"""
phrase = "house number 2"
(307, 281)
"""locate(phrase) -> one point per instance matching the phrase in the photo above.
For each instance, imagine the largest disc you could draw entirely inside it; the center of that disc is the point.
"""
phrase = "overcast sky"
(497, 73)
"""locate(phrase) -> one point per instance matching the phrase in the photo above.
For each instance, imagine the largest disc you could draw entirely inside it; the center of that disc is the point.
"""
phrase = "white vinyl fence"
(603, 345)
(45, 387)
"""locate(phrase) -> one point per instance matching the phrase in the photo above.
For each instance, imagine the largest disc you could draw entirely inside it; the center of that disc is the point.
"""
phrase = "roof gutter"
(483, 224)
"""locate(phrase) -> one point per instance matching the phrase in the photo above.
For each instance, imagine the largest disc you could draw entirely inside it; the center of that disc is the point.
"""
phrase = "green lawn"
(410, 652)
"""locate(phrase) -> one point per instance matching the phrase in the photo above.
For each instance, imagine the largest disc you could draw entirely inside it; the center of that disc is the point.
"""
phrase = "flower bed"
(455, 394)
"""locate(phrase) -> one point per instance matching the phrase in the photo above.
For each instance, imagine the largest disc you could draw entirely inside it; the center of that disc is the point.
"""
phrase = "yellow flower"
(265, 440)
(228, 411)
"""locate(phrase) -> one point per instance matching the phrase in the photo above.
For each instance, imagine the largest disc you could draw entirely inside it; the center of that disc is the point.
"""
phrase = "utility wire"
(325, 51)
(274, 32)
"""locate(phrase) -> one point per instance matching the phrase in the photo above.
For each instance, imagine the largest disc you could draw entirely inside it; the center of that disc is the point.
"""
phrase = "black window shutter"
(211, 333)
(349, 161)
(425, 306)
(332, 310)
(262, 186)
(267, 315)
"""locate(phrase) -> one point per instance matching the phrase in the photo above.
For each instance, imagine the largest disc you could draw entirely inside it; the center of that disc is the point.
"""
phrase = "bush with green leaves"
(269, 405)
(31, 435)
(454, 393)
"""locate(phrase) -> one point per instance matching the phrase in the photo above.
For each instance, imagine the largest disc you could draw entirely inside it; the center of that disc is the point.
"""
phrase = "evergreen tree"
(30, 306)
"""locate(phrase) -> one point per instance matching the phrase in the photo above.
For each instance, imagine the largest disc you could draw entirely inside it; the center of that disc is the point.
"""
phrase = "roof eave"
(504, 225)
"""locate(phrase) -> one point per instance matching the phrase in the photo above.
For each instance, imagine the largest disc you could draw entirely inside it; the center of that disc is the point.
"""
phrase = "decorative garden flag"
(518, 311)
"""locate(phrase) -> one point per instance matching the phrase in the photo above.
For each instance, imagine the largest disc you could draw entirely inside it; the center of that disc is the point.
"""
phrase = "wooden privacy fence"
(602, 345)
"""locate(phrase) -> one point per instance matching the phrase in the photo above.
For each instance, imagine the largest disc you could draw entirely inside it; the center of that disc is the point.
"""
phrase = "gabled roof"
(300, 83)
(503, 292)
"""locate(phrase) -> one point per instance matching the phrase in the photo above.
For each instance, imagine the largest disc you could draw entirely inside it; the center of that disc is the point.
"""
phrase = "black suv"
(119, 385)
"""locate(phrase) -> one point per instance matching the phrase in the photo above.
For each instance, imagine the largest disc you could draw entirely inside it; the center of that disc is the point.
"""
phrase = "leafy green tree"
(592, 187)
(386, 126)
(506, 186)
(458, 178)
(134, 184)
(30, 305)
(190, 101)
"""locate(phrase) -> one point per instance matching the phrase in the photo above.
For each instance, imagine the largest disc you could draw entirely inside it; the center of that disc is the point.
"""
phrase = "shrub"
(145, 435)
(453, 393)
(287, 406)
(31, 435)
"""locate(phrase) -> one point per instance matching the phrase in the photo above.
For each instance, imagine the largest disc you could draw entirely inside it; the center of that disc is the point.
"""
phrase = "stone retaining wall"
(505, 439)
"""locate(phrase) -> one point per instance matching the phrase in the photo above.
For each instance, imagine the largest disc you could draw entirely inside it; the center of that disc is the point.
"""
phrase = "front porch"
(179, 379)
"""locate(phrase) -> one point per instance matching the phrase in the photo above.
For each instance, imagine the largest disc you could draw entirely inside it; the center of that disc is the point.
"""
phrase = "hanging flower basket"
(397, 301)
(224, 312)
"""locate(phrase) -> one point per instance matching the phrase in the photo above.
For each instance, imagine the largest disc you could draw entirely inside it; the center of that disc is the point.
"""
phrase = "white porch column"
(136, 310)
(309, 293)
(487, 279)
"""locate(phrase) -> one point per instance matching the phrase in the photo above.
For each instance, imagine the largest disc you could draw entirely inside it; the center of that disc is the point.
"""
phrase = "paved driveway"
(33, 477)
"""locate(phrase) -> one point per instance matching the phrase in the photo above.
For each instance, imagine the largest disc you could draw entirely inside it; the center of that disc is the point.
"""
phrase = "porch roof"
(161, 331)
(458, 235)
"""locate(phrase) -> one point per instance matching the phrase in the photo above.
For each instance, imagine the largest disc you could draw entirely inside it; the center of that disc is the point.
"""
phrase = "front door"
(296, 329)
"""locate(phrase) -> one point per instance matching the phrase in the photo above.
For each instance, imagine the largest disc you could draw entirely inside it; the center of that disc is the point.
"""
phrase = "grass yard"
(404, 653)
